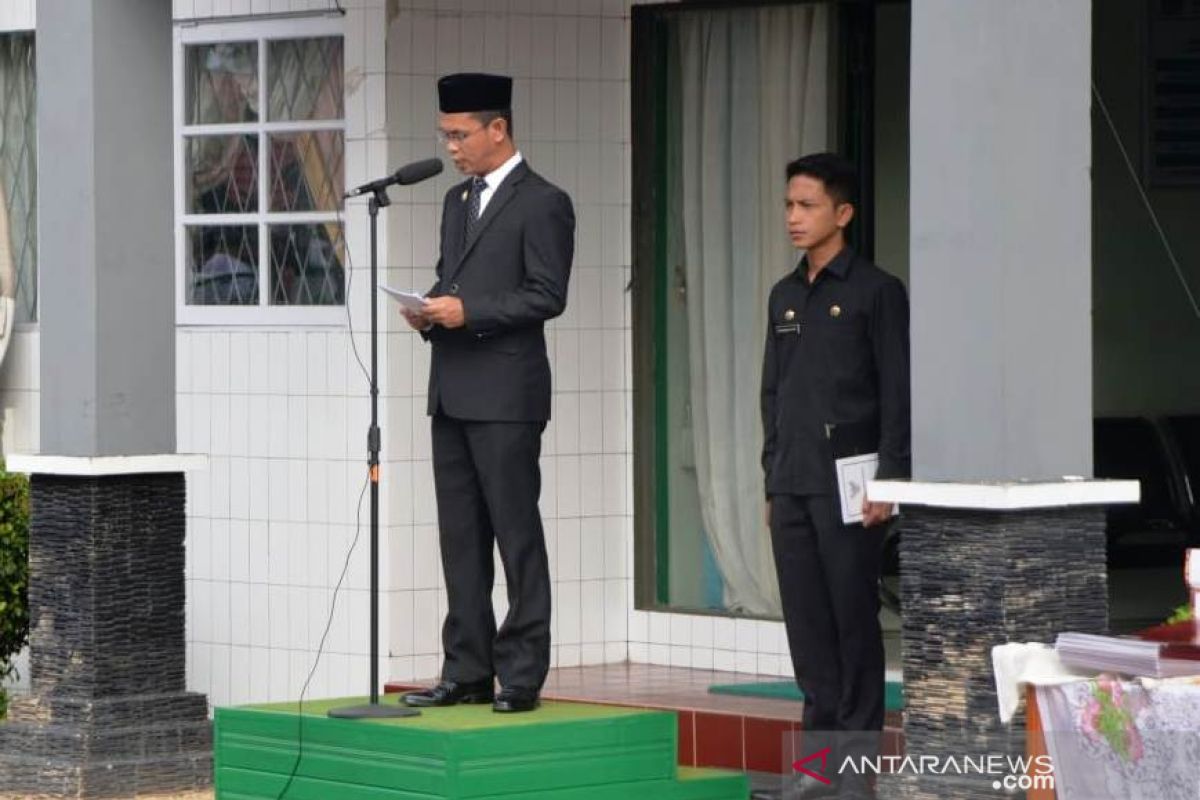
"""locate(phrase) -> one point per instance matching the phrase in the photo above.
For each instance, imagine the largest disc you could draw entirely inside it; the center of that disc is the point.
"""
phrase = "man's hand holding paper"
(446, 311)
(413, 307)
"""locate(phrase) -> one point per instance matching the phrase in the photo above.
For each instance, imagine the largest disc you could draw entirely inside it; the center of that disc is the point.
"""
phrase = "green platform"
(572, 751)
(787, 690)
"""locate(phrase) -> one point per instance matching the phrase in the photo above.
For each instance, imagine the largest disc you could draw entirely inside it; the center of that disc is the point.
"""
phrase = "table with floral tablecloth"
(1123, 739)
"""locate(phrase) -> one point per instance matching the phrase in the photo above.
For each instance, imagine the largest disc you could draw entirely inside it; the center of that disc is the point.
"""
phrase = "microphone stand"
(373, 710)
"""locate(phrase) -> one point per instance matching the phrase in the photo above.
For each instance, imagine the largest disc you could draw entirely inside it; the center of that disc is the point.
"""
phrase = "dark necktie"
(477, 187)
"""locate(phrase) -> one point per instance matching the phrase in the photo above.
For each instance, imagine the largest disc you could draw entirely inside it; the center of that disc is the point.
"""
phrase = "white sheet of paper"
(853, 472)
(411, 301)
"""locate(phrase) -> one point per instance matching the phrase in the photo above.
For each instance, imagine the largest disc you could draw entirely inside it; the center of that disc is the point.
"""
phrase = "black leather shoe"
(449, 693)
(516, 698)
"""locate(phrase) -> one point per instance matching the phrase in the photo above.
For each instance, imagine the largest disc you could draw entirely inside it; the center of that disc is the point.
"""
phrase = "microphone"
(407, 175)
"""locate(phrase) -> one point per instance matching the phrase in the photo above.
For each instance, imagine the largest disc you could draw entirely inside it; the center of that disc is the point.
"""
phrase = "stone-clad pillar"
(996, 545)
(109, 714)
(981, 565)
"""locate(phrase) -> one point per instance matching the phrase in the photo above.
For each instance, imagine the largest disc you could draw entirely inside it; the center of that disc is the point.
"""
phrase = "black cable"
(346, 304)
(353, 543)
(321, 647)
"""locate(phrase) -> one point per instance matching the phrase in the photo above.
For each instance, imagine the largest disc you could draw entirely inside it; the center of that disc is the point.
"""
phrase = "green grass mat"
(562, 751)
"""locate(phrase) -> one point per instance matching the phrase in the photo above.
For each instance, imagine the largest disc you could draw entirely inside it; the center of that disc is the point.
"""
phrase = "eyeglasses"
(457, 137)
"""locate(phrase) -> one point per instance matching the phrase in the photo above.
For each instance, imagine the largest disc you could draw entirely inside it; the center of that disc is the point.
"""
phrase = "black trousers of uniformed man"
(829, 585)
(487, 482)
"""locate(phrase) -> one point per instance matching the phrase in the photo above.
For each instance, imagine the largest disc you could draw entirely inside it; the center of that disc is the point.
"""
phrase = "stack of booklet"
(1166, 651)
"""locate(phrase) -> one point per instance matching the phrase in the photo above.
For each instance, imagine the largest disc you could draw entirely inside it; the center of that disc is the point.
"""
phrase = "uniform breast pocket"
(844, 341)
(842, 325)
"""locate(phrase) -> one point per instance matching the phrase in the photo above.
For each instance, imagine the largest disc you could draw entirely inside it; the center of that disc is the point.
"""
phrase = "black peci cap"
(474, 91)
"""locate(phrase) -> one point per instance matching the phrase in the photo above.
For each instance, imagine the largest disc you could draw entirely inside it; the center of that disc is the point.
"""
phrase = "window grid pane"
(222, 265)
(307, 264)
(222, 83)
(306, 171)
(304, 79)
(222, 174)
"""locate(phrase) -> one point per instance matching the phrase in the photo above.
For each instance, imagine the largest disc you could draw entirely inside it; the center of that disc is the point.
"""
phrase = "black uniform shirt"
(835, 375)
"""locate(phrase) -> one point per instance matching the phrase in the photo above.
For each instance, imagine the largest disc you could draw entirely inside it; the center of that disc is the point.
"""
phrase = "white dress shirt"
(495, 178)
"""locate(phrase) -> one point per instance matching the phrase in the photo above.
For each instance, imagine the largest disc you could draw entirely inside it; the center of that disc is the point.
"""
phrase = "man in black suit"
(507, 244)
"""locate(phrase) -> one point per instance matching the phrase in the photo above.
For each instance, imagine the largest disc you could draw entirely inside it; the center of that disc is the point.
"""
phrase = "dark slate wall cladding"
(974, 579)
(108, 608)
(108, 715)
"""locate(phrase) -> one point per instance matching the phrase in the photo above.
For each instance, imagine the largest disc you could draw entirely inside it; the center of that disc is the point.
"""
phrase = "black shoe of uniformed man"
(516, 698)
(450, 693)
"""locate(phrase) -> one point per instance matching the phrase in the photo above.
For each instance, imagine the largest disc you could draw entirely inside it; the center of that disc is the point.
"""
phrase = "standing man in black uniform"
(507, 241)
(835, 384)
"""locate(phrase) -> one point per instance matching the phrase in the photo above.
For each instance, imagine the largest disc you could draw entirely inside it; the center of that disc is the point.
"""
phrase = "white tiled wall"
(19, 399)
(283, 412)
(569, 62)
(271, 520)
(708, 642)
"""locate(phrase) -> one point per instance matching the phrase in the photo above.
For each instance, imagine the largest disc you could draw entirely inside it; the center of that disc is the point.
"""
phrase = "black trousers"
(829, 584)
(487, 481)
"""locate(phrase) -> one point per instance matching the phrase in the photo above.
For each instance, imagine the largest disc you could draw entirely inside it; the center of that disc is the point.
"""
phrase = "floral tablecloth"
(1125, 740)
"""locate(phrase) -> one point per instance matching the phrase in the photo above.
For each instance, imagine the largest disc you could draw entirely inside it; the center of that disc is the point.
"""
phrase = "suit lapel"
(504, 193)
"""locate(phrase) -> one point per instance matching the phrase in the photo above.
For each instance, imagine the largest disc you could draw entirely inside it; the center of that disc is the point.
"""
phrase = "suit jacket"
(511, 277)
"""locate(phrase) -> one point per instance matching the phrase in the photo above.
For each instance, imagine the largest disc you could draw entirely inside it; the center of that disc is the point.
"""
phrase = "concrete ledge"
(99, 466)
(1002, 496)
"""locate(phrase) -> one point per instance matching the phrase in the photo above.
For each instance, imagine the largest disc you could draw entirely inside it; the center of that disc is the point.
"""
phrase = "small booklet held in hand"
(408, 300)
(853, 472)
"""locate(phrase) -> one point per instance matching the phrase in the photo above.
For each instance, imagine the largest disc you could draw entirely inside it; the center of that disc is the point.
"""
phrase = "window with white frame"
(18, 176)
(260, 115)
